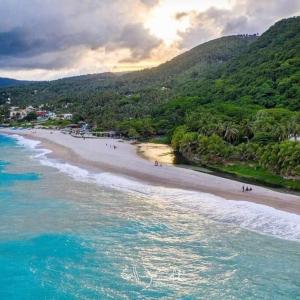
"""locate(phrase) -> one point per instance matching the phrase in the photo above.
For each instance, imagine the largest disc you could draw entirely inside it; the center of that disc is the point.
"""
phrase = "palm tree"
(231, 133)
(220, 129)
(294, 128)
(282, 132)
(247, 130)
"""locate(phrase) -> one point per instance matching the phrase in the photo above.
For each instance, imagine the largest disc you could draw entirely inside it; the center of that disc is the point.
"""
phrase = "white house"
(17, 113)
(30, 109)
(52, 115)
(67, 116)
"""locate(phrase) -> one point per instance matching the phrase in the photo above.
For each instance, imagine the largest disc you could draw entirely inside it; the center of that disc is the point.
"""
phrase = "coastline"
(99, 155)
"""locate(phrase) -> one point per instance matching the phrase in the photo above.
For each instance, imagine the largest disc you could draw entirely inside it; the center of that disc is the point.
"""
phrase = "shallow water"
(68, 234)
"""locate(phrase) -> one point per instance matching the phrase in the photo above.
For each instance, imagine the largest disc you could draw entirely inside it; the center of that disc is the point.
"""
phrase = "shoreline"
(165, 154)
(99, 155)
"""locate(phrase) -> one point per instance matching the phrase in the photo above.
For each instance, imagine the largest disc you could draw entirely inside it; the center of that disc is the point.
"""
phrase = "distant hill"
(6, 82)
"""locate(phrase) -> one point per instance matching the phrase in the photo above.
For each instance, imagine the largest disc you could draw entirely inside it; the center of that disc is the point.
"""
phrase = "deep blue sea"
(66, 233)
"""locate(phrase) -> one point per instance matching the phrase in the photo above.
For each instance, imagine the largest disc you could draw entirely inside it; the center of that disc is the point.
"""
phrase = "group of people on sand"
(156, 164)
(111, 146)
(246, 189)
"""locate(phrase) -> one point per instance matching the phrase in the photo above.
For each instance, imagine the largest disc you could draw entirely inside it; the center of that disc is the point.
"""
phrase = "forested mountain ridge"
(38, 92)
(268, 73)
(195, 62)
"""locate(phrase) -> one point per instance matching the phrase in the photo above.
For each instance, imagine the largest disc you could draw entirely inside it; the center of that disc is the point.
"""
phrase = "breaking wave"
(255, 217)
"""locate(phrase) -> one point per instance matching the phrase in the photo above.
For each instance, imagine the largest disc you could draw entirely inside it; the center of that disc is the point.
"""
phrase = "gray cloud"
(136, 38)
(235, 25)
(49, 60)
(245, 16)
(48, 29)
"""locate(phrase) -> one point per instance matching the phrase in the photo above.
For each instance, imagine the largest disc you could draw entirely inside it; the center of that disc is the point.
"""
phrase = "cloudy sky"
(48, 39)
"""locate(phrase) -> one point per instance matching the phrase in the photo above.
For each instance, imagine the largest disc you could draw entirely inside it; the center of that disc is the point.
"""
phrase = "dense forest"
(232, 103)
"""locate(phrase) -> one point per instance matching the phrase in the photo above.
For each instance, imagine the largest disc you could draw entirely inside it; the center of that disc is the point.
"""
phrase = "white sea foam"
(248, 215)
(25, 142)
(32, 144)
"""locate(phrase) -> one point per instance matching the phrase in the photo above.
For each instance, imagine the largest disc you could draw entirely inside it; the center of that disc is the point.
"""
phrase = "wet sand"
(99, 155)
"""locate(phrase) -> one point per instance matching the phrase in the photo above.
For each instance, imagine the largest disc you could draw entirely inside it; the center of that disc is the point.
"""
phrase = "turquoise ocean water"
(66, 233)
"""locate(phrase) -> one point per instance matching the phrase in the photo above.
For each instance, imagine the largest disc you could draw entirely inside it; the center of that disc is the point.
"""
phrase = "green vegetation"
(217, 143)
(4, 113)
(234, 101)
(32, 116)
(160, 140)
(56, 123)
(260, 175)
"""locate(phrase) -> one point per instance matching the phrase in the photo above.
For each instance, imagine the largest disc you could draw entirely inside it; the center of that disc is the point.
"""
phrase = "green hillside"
(267, 74)
(194, 63)
(197, 61)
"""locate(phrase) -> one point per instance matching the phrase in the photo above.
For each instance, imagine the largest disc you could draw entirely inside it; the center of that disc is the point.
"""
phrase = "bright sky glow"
(162, 21)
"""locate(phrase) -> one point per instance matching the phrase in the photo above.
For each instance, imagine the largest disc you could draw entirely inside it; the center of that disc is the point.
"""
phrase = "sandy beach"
(120, 157)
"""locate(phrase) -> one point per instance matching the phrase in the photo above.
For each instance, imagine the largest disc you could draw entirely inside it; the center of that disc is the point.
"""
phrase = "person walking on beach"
(247, 189)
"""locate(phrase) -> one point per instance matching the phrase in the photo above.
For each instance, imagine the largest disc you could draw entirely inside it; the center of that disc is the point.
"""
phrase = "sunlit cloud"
(169, 18)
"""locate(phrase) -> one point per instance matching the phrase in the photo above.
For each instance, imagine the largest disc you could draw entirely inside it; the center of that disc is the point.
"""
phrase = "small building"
(30, 109)
(16, 113)
(42, 113)
(107, 134)
(51, 115)
(67, 116)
